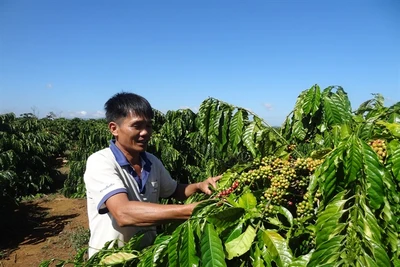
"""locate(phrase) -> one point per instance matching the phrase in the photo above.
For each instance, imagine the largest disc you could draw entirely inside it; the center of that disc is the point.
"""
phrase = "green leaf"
(330, 229)
(117, 258)
(257, 258)
(231, 199)
(204, 117)
(312, 100)
(395, 158)
(285, 212)
(146, 259)
(212, 252)
(160, 248)
(227, 114)
(320, 153)
(368, 223)
(345, 131)
(336, 109)
(187, 254)
(353, 159)
(344, 99)
(279, 250)
(214, 116)
(200, 208)
(396, 261)
(390, 227)
(328, 221)
(394, 128)
(302, 261)
(218, 122)
(374, 176)
(241, 244)
(248, 138)
(236, 129)
(366, 260)
(265, 254)
(225, 218)
(380, 254)
(234, 233)
(174, 246)
(247, 201)
(327, 252)
(327, 172)
(313, 184)
(47, 263)
(299, 131)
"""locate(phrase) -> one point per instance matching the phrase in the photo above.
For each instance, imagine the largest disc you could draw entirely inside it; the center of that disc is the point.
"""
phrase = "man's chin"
(141, 146)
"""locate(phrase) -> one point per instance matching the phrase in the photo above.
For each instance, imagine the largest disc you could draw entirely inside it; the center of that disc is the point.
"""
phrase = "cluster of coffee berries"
(266, 208)
(379, 146)
(307, 164)
(279, 188)
(281, 182)
(300, 184)
(304, 209)
(291, 147)
(287, 171)
(279, 163)
(300, 163)
(255, 175)
(312, 164)
(274, 194)
(229, 190)
(266, 161)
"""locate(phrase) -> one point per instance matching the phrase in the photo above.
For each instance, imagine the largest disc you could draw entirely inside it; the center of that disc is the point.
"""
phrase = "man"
(124, 182)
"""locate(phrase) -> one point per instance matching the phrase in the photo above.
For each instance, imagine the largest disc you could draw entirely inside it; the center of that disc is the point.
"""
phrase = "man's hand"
(205, 185)
(183, 191)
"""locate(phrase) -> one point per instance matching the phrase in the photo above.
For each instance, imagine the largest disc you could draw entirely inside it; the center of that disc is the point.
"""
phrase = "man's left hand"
(205, 185)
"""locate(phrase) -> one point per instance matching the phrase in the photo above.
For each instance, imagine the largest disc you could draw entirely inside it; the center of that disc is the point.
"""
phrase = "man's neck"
(132, 159)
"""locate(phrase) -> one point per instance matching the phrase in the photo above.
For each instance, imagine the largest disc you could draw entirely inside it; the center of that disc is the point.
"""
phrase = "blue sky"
(69, 57)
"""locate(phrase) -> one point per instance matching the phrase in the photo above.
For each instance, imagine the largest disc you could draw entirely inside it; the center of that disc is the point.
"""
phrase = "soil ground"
(49, 227)
(43, 229)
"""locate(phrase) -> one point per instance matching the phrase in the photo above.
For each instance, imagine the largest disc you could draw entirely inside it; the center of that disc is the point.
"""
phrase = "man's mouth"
(142, 142)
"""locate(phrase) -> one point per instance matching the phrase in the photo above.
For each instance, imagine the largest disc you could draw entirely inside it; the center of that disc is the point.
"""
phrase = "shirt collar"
(122, 161)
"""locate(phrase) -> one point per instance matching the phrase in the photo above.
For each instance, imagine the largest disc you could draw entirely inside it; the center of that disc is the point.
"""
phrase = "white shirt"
(105, 177)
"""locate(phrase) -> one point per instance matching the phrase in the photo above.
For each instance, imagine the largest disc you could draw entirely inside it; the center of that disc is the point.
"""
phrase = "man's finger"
(207, 190)
(213, 181)
(216, 178)
(213, 184)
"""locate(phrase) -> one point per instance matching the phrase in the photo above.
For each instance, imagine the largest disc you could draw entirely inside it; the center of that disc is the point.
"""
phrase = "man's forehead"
(135, 117)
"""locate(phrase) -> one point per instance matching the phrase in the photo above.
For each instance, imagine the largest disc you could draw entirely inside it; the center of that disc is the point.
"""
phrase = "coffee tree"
(320, 191)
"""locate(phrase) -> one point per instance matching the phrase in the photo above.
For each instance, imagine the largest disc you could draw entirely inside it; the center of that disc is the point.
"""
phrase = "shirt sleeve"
(102, 180)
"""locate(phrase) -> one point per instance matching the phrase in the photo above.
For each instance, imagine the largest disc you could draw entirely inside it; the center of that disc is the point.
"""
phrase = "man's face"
(132, 133)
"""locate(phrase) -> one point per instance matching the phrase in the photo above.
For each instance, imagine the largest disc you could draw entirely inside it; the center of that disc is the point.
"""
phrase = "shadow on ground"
(29, 224)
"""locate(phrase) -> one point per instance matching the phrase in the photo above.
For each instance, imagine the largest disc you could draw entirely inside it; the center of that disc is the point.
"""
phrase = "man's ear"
(113, 126)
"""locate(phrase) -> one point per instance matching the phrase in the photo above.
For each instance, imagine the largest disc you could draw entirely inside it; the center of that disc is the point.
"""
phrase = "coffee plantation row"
(322, 190)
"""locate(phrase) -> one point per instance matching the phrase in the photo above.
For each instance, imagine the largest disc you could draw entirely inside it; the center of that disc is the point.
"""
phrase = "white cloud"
(99, 114)
(77, 114)
(49, 85)
(86, 115)
(268, 106)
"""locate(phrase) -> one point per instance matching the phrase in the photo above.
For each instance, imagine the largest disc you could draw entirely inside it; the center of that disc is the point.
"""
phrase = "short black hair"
(124, 103)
